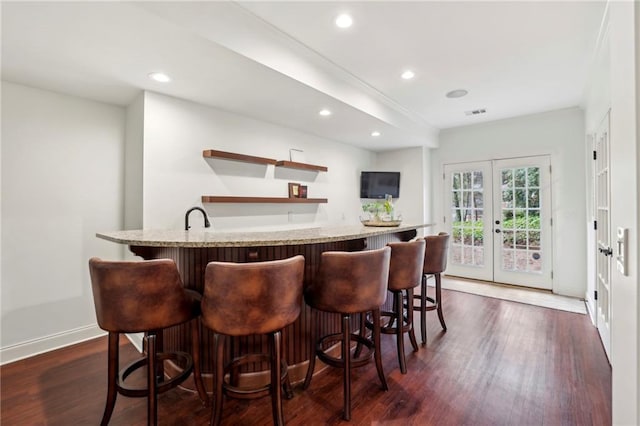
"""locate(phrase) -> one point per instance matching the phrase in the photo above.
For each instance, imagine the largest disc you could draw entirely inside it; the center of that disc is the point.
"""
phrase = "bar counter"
(193, 249)
(209, 238)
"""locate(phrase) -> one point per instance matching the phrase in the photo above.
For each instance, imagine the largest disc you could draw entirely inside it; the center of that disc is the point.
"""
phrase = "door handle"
(498, 231)
(606, 251)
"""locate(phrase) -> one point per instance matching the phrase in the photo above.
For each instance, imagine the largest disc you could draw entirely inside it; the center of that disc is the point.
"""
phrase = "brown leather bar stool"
(349, 283)
(147, 296)
(435, 262)
(405, 271)
(243, 299)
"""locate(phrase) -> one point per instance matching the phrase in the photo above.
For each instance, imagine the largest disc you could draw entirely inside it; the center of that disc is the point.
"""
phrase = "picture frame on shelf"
(294, 190)
(303, 191)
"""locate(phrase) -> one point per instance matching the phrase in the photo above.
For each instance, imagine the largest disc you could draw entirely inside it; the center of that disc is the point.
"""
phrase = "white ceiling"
(282, 62)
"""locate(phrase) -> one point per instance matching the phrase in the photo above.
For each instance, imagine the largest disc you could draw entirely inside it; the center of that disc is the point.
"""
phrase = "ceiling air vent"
(476, 111)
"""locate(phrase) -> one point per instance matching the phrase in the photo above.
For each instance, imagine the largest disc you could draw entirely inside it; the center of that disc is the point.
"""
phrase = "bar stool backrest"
(435, 257)
(351, 282)
(405, 268)
(132, 297)
(252, 298)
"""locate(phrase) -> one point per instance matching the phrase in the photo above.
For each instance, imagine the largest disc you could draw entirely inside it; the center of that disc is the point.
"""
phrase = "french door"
(603, 234)
(499, 217)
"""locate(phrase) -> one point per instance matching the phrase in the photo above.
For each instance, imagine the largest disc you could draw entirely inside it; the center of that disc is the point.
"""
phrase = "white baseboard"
(45, 344)
(590, 312)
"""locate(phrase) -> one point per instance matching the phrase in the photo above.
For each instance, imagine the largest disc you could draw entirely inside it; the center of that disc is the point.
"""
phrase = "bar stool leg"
(159, 336)
(152, 413)
(312, 352)
(394, 319)
(412, 334)
(346, 358)
(218, 359)
(362, 332)
(195, 354)
(399, 321)
(376, 346)
(276, 387)
(112, 377)
(439, 301)
(423, 310)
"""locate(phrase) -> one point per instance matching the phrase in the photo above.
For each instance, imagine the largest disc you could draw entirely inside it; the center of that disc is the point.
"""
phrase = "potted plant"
(381, 210)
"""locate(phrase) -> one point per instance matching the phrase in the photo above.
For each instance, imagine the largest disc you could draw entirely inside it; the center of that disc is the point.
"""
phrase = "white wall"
(176, 175)
(62, 181)
(410, 162)
(637, 257)
(133, 171)
(559, 134)
(615, 83)
(624, 210)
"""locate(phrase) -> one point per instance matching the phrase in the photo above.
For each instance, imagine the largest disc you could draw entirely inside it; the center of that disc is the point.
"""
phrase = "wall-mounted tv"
(379, 184)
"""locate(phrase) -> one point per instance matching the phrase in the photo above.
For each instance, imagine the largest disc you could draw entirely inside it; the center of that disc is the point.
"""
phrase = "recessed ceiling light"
(375, 134)
(160, 77)
(324, 112)
(458, 93)
(408, 75)
(344, 21)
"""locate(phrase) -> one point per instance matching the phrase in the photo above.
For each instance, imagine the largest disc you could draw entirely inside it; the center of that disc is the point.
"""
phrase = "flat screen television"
(378, 184)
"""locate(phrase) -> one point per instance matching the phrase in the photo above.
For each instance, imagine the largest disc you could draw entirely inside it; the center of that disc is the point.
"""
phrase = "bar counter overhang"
(193, 249)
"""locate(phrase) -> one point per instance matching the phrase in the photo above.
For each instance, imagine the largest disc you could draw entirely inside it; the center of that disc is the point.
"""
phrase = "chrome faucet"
(186, 218)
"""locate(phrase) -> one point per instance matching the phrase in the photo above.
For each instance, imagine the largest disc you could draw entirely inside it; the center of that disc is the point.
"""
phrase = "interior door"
(499, 217)
(603, 235)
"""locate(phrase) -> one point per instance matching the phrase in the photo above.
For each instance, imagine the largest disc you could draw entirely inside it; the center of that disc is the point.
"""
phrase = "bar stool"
(146, 296)
(405, 271)
(243, 299)
(435, 262)
(349, 283)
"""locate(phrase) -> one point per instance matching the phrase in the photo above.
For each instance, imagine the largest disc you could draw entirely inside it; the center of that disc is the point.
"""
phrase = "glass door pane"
(521, 219)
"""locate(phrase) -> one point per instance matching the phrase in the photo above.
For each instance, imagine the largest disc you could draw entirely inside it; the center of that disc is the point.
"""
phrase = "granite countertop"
(212, 238)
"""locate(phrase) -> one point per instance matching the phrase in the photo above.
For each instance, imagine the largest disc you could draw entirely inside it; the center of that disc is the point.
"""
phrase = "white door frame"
(491, 208)
(603, 249)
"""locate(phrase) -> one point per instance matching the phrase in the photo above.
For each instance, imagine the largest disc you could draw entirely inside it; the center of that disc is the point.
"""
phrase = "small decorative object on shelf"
(380, 213)
(303, 191)
(294, 190)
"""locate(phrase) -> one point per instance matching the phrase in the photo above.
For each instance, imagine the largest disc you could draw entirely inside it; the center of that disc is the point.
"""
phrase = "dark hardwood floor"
(500, 363)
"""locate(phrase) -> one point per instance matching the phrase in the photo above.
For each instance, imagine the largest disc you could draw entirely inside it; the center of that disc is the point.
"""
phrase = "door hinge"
(549, 168)
(595, 225)
(595, 294)
(443, 176)
(444, 219)
(551, 274)
(595, 155)
(551, 221)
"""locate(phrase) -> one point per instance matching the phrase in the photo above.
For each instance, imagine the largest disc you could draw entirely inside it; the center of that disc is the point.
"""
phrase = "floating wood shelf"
(301, 166)
(224, 155)
(212, 153)
(274, 200)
